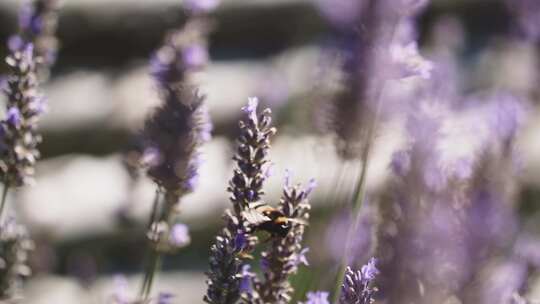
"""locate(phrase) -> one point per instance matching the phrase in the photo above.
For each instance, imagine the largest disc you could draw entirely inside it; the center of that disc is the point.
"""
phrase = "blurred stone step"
(96, 112)
(117, 33)
(78, 196)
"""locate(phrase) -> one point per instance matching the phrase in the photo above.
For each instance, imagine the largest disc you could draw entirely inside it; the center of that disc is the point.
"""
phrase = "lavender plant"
(356, 288)
(445, 197)
(32, 53)
(364, 33)
(317, 297)
(172, 137)
(20, 138)
(284, 255)
(229, 278)
(37, 25)
(384, 52)
(229, 252)
(15, 245)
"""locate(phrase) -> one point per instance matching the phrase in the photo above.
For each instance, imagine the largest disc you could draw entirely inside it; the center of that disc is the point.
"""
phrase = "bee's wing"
(297, 221)
(254, 217)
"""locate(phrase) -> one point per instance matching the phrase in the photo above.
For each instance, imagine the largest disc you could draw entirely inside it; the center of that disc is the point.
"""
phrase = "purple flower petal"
(195, 56)
(180, 235)
(14, 117)
(317, 297)
(251, 108)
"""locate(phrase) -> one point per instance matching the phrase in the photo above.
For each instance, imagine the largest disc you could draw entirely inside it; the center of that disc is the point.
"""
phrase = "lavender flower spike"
(228, 277)
(37, 25)
(181, 125)
(177, 130)
(356, 287)
(19, 137)
(251, 157)
(284, 255)
(172, 138)
(14, 247)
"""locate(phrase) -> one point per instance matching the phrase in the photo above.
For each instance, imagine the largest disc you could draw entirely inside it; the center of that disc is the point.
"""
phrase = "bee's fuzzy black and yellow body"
(264, 217)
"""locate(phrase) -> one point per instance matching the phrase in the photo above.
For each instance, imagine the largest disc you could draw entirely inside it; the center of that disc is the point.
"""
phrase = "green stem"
(154, 212)
(153, 266)
(153, 258)
(359, 194)
(4, 196)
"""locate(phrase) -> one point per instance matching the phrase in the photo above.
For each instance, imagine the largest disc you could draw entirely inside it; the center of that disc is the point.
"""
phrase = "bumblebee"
(267, 218)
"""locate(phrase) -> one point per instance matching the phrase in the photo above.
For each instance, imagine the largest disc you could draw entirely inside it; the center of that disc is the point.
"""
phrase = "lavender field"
(270, 151)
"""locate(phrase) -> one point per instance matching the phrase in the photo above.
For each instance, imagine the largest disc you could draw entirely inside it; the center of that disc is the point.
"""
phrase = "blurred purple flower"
(527, 249)
(341, 13)
(504, 280)
(165, 298)
(201, 6)
(38, 105)
(507, 115)
(408, 62)
(317, 297)
(361, 242)
(150, 157)
(195, 56)
(37, 25)
(527, 13)
(179, 235)
(15, 43)
(120, 294)
(400, 163)
(174, 130)
(14, 117)
(15, 247)
(370, 271)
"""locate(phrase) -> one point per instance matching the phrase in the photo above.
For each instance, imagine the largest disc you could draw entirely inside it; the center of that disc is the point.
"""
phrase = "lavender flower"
(177, 130)
(356, 288)
(120, 294)
(317, 297)
(226, 275)
(15, 245)
(251, 157)
(180, 235)
(165, 298)
(371, 57)
(284, 255)
(228, 278)
(517, 299)
(173, 135)
(19, 137)
(200, 6)
(526, 13)
(37, 25)
(171, 139)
